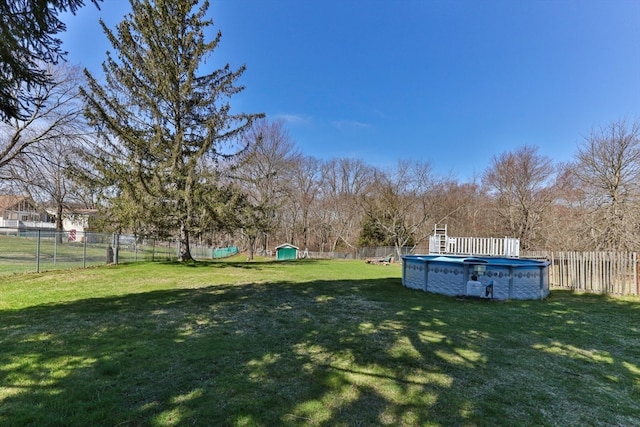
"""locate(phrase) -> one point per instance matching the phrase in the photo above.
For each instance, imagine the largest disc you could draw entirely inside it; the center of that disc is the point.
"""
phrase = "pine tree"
(28, 32)
(161, 120)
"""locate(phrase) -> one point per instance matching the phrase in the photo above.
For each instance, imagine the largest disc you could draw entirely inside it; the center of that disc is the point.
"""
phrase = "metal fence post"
(38, 252)
(117, 248)
(84, 250)
(635, 272)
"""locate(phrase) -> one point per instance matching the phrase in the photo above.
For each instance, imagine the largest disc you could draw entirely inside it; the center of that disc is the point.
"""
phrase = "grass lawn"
(319, 343)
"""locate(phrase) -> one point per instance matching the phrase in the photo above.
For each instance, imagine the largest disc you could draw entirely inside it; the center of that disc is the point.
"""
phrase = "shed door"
(286, 253)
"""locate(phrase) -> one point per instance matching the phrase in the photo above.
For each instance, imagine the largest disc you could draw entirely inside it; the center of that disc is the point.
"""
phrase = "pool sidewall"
(512, 278)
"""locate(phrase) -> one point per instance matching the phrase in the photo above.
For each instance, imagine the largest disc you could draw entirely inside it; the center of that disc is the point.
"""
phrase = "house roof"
(73, 211)
(8, 201)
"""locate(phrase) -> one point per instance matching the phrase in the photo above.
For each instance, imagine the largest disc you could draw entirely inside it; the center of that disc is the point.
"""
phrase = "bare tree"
(567, 219)
(462, 206)
(523, 186)
(56, 115)
(339, 213)
(35, 151)
(264, 175)
(399, 203)
(44, 177)
(608, 163)
(303, 192)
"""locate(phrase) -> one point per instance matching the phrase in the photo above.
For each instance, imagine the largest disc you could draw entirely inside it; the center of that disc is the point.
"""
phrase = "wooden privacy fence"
(613, 273)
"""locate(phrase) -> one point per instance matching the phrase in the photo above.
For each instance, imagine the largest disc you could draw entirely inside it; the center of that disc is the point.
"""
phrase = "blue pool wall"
(513, 278)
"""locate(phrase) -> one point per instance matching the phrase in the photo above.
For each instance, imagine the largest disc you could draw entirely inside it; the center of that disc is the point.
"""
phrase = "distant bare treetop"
(56, 114)
(523, 184)
(608, 164)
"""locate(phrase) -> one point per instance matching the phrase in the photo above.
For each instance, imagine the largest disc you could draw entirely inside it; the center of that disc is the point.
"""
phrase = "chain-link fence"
(42, 250)
(383, 251)
(224, 252)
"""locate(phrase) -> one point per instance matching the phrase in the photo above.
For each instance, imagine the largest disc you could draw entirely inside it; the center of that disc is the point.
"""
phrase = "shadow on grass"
(237, 262)
(320, 353)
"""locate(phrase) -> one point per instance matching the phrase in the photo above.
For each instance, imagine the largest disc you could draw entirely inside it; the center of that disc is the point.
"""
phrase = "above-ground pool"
(511, 278)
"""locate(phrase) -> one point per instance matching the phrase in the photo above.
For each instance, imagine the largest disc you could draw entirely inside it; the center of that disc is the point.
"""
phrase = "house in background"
(21, 212)
(75, 219)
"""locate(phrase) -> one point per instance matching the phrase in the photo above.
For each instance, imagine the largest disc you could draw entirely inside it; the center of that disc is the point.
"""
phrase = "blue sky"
(451, 82)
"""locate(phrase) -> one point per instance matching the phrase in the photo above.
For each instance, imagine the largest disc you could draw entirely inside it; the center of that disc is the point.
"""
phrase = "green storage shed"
(286, 251)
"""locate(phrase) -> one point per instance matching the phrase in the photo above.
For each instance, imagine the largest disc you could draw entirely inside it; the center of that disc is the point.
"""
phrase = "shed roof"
(286, 245)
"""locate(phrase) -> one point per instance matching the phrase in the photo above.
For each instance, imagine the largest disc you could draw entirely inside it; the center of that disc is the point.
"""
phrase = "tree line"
(157, 148)
(588, 204)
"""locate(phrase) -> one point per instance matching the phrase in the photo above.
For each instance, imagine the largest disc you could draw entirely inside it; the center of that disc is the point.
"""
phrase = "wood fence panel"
(612, 273)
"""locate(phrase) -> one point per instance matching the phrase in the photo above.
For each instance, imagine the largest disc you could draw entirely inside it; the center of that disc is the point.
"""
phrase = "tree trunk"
(265, 243)
(59, 228)
(252, 242)
(185, 252)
